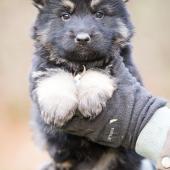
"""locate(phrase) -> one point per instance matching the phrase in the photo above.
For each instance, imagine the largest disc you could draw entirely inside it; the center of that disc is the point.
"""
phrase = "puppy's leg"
(56, 96)
(94, 89)
(56, 166)
(59, 145)
(47, 166)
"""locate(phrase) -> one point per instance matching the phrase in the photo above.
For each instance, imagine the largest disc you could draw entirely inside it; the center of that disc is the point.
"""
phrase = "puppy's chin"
(84, 56)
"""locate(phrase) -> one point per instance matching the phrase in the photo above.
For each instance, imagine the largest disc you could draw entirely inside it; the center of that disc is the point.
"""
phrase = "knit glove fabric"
(125, 115)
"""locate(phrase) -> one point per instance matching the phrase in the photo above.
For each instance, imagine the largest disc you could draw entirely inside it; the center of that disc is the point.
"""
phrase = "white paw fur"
(57, 98)
(94, 89)
(48, 165)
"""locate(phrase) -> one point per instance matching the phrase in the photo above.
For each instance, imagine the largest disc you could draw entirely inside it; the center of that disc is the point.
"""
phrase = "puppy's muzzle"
(82, 38)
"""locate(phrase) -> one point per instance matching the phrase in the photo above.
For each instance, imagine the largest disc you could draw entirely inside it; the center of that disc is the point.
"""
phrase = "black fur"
(55, 47)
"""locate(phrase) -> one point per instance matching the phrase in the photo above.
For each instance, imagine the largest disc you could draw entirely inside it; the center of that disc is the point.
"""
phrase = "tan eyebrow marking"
(68, 3)
(94, 3)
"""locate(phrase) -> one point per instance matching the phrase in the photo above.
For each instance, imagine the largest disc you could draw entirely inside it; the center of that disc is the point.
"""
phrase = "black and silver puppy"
(74, 42)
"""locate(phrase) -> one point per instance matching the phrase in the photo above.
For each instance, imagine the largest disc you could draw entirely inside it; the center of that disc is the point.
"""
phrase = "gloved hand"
(125, 115)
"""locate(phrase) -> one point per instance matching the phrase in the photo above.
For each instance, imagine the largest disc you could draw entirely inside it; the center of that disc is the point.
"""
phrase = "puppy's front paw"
(57, 98)
(64, 166)
(48, 166)
(94, 89)
(51, 165)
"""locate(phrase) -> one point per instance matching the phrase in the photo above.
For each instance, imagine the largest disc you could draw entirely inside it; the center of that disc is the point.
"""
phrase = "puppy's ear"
(39, 3)
(125, 1)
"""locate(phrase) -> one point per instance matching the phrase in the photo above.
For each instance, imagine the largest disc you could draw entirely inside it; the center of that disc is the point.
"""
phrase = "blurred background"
(151, 54)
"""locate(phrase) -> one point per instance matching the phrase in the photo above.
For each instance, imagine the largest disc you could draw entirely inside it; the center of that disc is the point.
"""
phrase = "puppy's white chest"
(78, 77)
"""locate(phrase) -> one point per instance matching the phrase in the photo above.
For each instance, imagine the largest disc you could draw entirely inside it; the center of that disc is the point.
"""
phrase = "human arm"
(125, 116)
(154, 140)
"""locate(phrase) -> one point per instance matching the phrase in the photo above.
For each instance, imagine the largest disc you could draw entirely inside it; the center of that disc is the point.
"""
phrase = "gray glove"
(125, 115)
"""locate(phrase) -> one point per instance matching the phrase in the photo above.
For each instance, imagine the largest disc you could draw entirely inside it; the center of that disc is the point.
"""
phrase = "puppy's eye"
(65, 16)
(99, 15)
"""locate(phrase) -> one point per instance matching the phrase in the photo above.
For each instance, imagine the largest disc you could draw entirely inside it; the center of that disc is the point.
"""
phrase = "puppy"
(71, 73)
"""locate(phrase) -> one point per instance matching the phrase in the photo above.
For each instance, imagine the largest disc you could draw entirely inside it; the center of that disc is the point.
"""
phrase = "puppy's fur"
(94, 89)
(57, 96)
(59, 86)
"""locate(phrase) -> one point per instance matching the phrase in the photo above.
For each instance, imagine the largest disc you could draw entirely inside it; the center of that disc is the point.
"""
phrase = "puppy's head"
(82, 30)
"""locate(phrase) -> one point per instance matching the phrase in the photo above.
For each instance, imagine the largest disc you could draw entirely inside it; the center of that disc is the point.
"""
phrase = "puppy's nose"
(82, 38)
